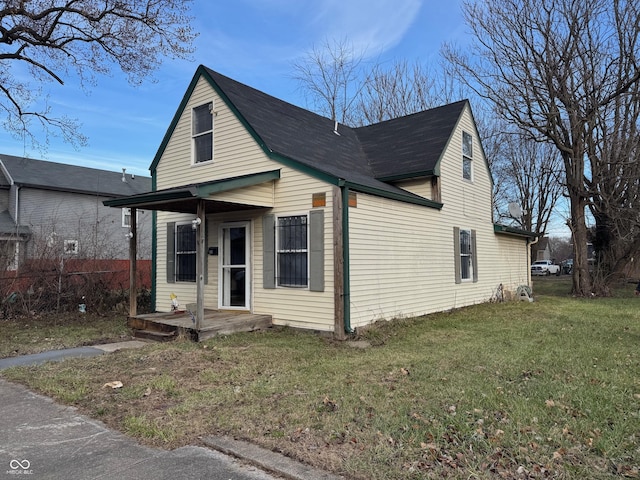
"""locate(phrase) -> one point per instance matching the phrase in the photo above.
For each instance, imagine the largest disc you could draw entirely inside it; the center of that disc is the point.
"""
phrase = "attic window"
(202, 133)
(467, 155)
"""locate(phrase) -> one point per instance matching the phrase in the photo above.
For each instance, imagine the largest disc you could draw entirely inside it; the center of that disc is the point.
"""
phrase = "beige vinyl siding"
(298, 307)
(402, 255)
(236, 153)
(419, 186)
(259, 195)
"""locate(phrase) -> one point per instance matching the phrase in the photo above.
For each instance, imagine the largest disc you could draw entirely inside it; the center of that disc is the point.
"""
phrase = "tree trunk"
(581, 275)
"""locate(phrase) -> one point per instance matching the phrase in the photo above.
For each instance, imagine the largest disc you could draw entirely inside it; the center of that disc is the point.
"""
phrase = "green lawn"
(549, 389)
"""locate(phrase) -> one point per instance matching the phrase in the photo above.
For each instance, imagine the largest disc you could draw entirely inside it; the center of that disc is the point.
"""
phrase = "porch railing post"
(201, 253)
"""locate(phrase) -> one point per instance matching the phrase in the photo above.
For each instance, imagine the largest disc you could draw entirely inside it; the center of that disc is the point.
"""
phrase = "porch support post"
(200, 263)
(133, 267)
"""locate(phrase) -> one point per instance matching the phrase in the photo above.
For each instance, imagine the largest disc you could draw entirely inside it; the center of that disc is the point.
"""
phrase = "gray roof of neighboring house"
(28, 172)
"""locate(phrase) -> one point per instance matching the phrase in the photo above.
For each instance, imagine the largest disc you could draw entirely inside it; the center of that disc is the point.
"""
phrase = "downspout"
(529, 243)
(345, 259)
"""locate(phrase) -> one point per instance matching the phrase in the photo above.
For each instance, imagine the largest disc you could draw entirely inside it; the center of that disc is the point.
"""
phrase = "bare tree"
(531, 176)
(43, 41)
(399, 90)
(552, 67)
(330, 74)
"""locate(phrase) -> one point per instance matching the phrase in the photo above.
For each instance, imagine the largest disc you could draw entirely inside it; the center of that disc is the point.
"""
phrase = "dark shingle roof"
(406, 145)
(412, 144)
(71, 178)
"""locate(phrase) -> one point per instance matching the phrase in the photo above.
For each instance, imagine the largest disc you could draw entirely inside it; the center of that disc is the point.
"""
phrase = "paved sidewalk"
(47, 440)
(53, 441)
(58, 355)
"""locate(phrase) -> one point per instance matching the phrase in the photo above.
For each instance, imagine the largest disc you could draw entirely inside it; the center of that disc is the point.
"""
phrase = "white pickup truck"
(545, 267)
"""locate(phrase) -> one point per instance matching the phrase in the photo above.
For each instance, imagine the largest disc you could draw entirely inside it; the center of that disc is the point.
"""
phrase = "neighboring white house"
(319, 225)
(52, 208)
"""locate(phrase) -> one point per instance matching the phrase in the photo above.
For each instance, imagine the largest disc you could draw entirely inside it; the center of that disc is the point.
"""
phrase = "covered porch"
(235, 194)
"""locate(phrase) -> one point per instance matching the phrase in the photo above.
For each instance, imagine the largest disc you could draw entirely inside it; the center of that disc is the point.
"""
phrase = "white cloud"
(373, 26)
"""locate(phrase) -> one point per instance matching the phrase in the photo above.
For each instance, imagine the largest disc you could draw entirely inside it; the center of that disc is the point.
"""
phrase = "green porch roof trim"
(506, 230)
(197, 190)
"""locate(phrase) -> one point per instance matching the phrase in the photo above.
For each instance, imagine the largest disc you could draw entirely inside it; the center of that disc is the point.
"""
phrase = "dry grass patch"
(517, 390)
(38, 333)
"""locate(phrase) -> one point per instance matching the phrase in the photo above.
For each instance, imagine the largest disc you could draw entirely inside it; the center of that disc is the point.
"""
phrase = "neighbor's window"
(202, 133)
(467, 155)
(126, 217)
(291, 251)
(466, 260)
(185, 253)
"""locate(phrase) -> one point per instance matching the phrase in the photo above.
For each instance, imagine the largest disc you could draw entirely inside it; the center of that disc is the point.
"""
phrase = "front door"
(234, 284)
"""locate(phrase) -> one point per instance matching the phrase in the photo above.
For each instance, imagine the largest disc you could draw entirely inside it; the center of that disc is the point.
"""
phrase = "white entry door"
(234, 284)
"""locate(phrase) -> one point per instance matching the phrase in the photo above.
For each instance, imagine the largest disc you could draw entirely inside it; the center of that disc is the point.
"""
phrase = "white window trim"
(277, 251)
(469, 256)
(194, 136)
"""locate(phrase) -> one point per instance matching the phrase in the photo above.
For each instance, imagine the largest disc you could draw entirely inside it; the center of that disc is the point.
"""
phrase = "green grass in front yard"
(34, 334)
(512, 390)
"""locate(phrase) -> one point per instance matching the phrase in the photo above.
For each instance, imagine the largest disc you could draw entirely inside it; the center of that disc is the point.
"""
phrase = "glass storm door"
(234, 266)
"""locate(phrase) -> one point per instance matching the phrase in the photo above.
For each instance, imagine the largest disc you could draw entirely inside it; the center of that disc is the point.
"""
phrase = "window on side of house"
(465, 254)
(467, 156)
(202, 133)
(185, 253)
(292, 251)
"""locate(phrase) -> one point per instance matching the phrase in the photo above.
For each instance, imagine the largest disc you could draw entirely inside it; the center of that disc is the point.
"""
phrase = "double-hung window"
(466, 258)
(185, 253)
(466, 267)
(467, 156)
(202, 133)
(292, 251)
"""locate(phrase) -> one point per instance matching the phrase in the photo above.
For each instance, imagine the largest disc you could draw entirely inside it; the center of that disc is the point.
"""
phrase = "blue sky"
(252, 41)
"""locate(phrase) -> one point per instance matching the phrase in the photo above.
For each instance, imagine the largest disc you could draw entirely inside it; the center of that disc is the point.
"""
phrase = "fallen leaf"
(550, 403)
(115, 384)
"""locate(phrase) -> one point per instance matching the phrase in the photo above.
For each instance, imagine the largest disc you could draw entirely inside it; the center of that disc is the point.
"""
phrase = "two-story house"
(52, 209)
(264, 207)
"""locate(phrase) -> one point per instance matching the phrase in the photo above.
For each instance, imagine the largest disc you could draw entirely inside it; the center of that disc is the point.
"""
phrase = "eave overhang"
(506, 230)
(185, 199)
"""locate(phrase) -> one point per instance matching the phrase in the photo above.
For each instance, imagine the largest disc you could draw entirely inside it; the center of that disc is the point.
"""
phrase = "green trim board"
(506, 230)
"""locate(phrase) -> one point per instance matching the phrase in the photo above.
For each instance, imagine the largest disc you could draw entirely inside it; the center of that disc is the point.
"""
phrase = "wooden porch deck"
(167, 326)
